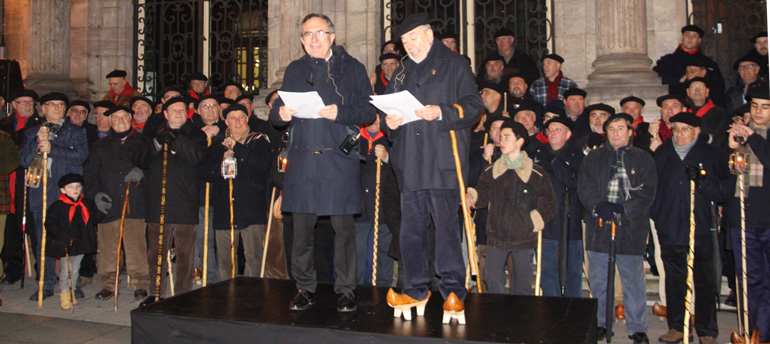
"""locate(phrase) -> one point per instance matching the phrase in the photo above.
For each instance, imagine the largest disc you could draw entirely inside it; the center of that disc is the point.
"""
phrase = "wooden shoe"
(620, 312)
(453, 309)
(402, 304)
(659, 310)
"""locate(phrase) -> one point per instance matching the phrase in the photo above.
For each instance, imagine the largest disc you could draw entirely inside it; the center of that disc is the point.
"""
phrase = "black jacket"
(369, 177)
(563, 167)
(757, 201)
(79, 237)
(318, 174)
(671, 68)
(716, 121)
(520, 63)
(8, 125)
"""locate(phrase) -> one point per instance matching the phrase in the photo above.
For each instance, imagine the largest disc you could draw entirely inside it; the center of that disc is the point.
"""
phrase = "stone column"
(622, 66)
(110, 43)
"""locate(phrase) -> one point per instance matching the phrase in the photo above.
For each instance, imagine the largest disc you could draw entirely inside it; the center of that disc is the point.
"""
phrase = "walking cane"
(120, 243)
(376, 222)
(69, 276)
(232, 232)
(161, 222)
(42, 238)
(609, 316)
(538, 291)
(739, 165)
(690, 259)
(206, 230)
(27, 258)
(472, 260)
(717, 260)
(267, 234)
(564, 250)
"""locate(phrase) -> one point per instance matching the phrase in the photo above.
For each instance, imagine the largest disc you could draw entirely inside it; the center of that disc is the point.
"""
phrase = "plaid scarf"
(756, 169)
(553, 88)
(617, 188)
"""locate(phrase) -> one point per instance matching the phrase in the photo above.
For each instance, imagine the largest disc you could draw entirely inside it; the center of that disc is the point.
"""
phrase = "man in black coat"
(180, 148)
(575, 107)
(319, 173)
(117, 161)
(684, 158)
(514, 60)
(634, 106)
(422, 158)
(715, 118)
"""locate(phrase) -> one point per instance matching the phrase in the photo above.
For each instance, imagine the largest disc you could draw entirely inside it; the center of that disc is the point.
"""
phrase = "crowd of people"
(356, 196)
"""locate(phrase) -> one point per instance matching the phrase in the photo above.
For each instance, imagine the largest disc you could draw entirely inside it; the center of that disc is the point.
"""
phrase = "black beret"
(558, 111)
(696, 79)
(694, 61)
(632, 99)
(25, 93)
(760, 92)
(743, 109)
(561, 119)
(208, 96)
(384, 57)
(525, 107)
(138, 99)
(54, 96)
(236, 107)
(69, 179)
(82, 103)
(515, 75)
(693, 28)
(617, 116)
(228, 101)
(170, 89)
(244, 96)
(267, 99)
(518, 129)
(117, 74)
(663, 98)
(554, 57)
(747, 58)
(233, 83)
(493, 86)
(104, 104)
(495, 57)
(412, 21)
(761, 34)
(503, 32)
(574, 92)
(117, 108)
(601, 107)
(449, 35)
(558, 103)
(397, 44)
(198, 76)
(493, 119)
(688, 118)
(173, 101)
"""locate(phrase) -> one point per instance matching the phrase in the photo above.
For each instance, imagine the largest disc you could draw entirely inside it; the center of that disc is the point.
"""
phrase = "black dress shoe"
(731, 299)
(302, 301)
(601, 333)
(104, 294)
(148, 301)
(140, 294)
(46, 294)
(346, 303)
(640, 338)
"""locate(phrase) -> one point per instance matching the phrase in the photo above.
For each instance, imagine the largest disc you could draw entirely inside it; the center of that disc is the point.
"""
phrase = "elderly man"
(232, 90)
(686, 157)
(120, 92)
(597, 114)
(660, 129)
(748, 68)
(23, 116)
(67, 148)
(526, 116)
(715, 118)
(318, 176)
(759, 51)
(552, 85)
(198, 87)
(751, 138)
(77, 113)
(514, 60)
(423, 161)
(388, 63)
(142, 118)
(518, 94)
(102, 121)
(617, 183)
(116, 162)
(696, 67)
(634, 106)
(494, 69)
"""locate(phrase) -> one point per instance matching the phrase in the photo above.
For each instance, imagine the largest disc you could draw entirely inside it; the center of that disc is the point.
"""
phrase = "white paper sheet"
(307, 104)
(400, 103)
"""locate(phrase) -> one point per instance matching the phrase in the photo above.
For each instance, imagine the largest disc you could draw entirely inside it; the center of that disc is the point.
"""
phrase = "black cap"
(82, 103)
(696, 79)
(503, 32)
(25, 93)
(54, 96)
(760, 92)
(173, 101)
(743, 109)
(601, 107)
(104, 104)
(69, 179)
(208, 96)
(688, 118)
(693, 28)
(518, 129)
(561, 119)
(115, 109)
(412, 21)
(142, 99)
(663, 98)
(384, 57)
(117, 74)
(554, 57)
(228, 101)
(761, 34)
(232, 83)
(574, 92)
(495, 118)
(495, 57)
(747, 58)
(621, 115)
(694, 61)
(198, 76)
(170, 89)
(632, 99)
(449, 35)
(244, 96)
(558, 111)
(493, 86)
(267, 99)
(236, 107)
(525, 107)
(515, 75)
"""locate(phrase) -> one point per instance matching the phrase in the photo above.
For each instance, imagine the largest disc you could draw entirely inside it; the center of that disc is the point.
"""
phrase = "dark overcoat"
(80, 237)
(563, 169)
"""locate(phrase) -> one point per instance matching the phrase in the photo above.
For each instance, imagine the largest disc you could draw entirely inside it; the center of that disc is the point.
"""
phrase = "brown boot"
(453, 309)
(659, 309)
(708, 340)
(673, 336)
(65, 299)
(402, 304)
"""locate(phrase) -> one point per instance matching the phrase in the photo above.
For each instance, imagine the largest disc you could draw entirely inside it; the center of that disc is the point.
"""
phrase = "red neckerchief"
(703, 110)
(541, 137)
(553, 88)
(383, 79)
(664, 132)
(365, 134)
(195, 95)
(637, 122)
(697, 49)
(190, 113)
(20, 121)
(138, 125)
(74, 206)
(126, 90)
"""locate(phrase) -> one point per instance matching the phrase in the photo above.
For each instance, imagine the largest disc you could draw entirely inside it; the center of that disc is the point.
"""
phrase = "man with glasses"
(77, 113)
(748, 68)
(715, 118)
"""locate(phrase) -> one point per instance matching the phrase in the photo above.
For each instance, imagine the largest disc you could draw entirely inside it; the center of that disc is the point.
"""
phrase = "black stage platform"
(253, 310)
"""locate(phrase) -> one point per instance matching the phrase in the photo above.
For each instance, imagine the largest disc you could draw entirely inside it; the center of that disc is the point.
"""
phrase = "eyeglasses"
(209, 106)
(684, 130)
(60, 105)
(748, 66)
(697, 87)
(319, 34)
(24, 102)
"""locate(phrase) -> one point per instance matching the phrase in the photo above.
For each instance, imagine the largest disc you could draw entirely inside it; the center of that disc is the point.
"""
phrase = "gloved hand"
(606, 210)
(103, 202)
(595, 140)
(167, 136)
(527, 198)
(134, 176)
(695, 174)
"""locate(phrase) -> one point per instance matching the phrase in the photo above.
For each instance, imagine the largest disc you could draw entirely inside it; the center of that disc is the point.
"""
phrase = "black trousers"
(675, 263)
(324, 247)
(303, 252)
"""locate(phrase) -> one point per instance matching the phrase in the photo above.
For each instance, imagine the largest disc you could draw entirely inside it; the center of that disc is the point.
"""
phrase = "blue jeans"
(631, 270)
(50, 271)
(550, 268)
(364, 254)
(757, 283)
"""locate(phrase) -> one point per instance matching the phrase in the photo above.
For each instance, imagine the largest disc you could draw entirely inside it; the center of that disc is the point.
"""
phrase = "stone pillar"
(622, 66)
(110, 43)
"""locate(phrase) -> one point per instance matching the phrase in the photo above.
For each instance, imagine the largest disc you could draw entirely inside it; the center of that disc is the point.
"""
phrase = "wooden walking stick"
(267, 234)
(376, 221)
(538, 291)
(690, 260)
(205, 267)
(739, 165)
(27, 258)
(610, 283)
(232, 231)
(120, 243)
(161, 222)
(40, 291)
(69, 275)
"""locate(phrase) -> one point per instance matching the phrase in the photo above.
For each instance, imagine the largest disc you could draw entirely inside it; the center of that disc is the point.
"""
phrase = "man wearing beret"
(672, 67)
(422, 158)
(686, 157)
(232, 90)
(388, 62)
(198, 86)
(514, 60)
(103, 127)
(144, 116)
(697, 67)
(752, 138)
(748, 67)
(117, 161)
(552, 85)
(77, 114)
(492, 97)
(23, 116)
(494, 69)
(715, 118)
(759, 51)
(518, 94)
(120, 92)
(575, 106)
(528, 118)
(597, 115)
(617, 183)
(634, 106)
(67, 148)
